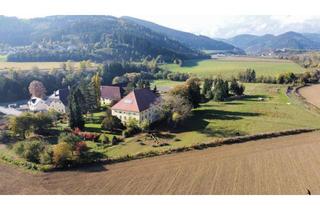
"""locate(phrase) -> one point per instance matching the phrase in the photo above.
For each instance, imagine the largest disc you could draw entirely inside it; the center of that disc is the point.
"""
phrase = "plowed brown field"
(285, 165)
(311, 94)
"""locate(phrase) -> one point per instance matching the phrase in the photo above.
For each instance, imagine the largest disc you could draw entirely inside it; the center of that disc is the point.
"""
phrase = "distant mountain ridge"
(197, 42)
(253, 44)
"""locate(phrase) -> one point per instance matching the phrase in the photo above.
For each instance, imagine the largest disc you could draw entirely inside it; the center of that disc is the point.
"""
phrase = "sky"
(222, 19)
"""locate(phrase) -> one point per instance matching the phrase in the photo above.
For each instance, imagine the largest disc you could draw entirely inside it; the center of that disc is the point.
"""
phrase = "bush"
(81, 148)
(4, 137)
(46, 156)
(30, 150)
(62, 154)
(115, 140)
(104, 139)
(70, 139)
(144, 125)
(111, 123)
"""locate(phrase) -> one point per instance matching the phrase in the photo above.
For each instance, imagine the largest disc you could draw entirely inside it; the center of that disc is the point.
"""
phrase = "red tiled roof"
(111, 92)
(136, 101)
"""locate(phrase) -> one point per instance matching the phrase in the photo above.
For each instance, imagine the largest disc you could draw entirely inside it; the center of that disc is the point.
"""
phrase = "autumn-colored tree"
(62, 154)
(37, 89)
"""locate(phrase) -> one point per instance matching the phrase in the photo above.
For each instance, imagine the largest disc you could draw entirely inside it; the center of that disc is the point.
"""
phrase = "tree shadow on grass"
(191, 63)
(255, 97)
(222, 132)
(93, 130)
(221, 115)
(200, 120)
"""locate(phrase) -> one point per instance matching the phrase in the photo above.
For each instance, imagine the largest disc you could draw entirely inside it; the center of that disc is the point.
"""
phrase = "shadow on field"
(201, 119)
(222, 132)
(233, 103)
(191, 63)
(90, 168)
(255, 97)
(220, 115)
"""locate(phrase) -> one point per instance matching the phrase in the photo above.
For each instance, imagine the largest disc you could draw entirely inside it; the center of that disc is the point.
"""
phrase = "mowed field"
(247, 116)
(284, 165)
(231, 66)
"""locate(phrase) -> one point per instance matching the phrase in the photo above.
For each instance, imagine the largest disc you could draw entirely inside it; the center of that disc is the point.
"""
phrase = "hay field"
(23, 66)
(284, 165)
(231, 66)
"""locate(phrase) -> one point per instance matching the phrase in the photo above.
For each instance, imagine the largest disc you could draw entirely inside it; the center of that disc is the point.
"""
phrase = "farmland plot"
(284, 165)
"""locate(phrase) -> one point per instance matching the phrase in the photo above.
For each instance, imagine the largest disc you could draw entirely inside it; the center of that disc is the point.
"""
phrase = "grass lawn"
(231, 66)
(224, 119)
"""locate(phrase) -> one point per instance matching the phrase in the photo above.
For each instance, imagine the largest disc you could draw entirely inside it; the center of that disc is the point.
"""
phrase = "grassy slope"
(241, 117)
(228, 67)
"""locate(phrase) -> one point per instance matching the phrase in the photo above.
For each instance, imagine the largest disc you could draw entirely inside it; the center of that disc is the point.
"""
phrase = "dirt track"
(284, 165)
(311, 94)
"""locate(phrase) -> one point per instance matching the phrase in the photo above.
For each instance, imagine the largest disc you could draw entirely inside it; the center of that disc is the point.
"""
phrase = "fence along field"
(284, 165)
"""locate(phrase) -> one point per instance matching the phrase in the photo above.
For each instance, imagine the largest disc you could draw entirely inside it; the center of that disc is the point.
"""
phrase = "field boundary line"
(216, 143)
(307, 104)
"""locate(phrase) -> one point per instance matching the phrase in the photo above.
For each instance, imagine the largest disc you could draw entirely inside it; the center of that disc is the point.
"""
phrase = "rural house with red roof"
(140, 104)
(110, 94)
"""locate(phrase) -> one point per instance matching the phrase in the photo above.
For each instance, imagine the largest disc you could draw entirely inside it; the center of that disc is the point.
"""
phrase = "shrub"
(70, 139)
(46, 156)
(4, 137)
(81, 147)
(115, 140)
(104, 139)
(144, 125)
(18, 148)
(111, 123)
(62, 154)
(30, 150)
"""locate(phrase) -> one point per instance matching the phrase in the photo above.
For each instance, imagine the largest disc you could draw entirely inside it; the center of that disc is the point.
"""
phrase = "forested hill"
(269, 43)
(99, 38)
(191, 40)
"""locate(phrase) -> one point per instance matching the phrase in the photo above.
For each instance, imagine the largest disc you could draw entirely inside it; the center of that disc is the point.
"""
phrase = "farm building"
(140, 104)
(110, 94)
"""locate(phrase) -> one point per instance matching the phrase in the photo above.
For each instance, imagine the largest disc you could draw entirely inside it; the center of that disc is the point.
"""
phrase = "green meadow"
(231, 66)
(266, 108)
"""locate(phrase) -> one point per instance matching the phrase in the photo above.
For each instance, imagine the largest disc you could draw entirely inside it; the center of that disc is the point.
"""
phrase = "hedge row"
(218, 142)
